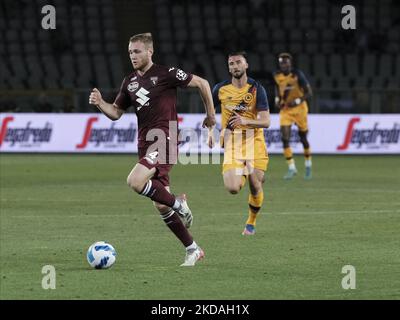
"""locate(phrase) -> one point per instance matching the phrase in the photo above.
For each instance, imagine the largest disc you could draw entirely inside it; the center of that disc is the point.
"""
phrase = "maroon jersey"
(153, 96)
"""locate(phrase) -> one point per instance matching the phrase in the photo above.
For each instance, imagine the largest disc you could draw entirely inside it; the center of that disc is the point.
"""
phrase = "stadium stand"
(86, 49)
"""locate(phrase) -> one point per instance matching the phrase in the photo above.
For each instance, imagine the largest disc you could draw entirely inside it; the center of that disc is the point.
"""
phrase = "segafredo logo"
(372, 137)
(110, 137)
(26, 136)
(274, 137)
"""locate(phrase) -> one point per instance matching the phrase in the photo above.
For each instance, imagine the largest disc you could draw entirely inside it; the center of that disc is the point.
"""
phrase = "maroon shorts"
(153, 159)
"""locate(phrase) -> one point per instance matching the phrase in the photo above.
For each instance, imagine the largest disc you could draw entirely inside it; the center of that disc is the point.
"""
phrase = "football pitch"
(53, 207)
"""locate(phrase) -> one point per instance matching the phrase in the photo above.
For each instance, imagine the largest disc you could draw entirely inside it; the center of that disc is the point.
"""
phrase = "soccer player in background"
(152, 90)
(244, 114)
(292, 91)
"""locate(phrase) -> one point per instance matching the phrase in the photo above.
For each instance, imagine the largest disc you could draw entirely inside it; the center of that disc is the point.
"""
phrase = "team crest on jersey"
(133, 86)
(181, 75)
(154, 80)
(248, 98)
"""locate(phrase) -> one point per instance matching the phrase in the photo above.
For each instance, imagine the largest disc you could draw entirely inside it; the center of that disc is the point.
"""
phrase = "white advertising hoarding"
(86, 133)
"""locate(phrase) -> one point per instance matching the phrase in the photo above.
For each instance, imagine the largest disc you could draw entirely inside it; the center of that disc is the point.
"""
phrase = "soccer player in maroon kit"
(152, 90)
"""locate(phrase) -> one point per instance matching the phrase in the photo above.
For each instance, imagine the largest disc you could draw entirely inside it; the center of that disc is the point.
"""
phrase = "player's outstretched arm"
(263, 120)
(206, 96)
(110, 110)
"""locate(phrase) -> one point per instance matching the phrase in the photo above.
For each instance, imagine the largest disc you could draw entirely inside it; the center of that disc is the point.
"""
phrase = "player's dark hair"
(146, 38)
(285, 55)
(238, 53)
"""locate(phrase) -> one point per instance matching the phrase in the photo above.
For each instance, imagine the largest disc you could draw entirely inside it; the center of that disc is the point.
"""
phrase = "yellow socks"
(288, 153)
(255, 203)
(307, 154)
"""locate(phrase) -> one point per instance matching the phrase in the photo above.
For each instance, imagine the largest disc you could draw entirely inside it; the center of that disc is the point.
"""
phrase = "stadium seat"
(197, 35)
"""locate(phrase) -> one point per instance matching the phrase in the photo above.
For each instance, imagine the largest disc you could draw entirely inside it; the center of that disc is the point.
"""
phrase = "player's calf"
(139, 177)
(135, 184)
(161, 207)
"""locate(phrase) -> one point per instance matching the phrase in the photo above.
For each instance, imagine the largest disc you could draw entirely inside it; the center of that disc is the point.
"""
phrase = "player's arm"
(263, 120)
(112, 111)
(305, 85)
(279, 103)
(307, 94)
(205, 92)
(277, 97)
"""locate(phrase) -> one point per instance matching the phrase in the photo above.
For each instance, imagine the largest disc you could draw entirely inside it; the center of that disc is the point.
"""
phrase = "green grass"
(54, 206)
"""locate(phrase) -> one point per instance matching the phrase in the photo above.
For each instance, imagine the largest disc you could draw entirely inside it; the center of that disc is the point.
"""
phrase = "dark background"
(351, 71)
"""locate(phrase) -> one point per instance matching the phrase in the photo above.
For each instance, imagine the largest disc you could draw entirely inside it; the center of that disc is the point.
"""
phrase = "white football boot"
(184, 212)
(192, 256)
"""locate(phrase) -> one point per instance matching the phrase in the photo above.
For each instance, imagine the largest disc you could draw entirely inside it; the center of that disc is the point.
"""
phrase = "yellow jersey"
(244, 144)
(245, 101)
(290, 86)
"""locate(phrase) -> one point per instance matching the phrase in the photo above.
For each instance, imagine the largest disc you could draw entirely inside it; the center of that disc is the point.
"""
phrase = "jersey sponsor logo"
(27, 136)
(289, 87)
(142, 97)
(237, 108)
(372, 137)
(133, 86)
(181, 75)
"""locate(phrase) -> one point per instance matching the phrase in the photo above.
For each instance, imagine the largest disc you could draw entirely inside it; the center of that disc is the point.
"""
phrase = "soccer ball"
(101, 255)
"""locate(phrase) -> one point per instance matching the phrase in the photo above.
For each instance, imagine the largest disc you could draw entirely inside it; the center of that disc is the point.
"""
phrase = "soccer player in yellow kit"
(292, 91)
(244, 114)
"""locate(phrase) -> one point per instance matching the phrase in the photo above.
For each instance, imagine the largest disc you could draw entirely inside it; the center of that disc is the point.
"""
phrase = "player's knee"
(256, 187)
(233, 188)
(303, 138)
(136, 184)
(285, 142)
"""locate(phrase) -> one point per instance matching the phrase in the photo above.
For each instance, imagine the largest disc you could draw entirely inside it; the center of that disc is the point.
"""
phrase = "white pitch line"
(221, 213)
(74, 216)
(58, 200)
(338, 211)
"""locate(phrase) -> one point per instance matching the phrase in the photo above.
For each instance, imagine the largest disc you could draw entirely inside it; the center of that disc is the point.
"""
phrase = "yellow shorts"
(245, 153)
(297, 115)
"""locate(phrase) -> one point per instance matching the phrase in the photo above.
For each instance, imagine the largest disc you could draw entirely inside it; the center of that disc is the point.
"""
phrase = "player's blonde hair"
(146, 38)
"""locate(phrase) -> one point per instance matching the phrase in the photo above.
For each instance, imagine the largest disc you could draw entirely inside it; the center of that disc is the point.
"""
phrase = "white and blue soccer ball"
(101, 255)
